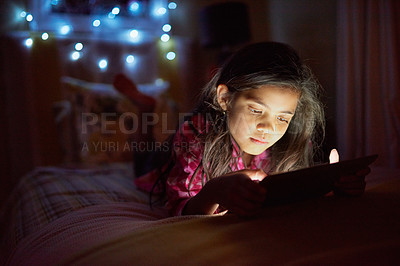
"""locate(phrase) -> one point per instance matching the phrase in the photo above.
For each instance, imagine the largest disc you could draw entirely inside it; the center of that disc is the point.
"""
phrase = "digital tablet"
(310, 182)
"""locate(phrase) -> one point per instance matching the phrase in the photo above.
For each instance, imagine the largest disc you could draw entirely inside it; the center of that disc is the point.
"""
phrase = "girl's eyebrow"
(258, 101)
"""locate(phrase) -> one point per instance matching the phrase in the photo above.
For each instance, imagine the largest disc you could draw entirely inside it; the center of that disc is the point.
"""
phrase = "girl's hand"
(350, 185)
(240, 192)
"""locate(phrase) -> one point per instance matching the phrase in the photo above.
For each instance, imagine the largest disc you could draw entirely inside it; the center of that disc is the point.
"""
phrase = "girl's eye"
(281, 119)
(255, 111)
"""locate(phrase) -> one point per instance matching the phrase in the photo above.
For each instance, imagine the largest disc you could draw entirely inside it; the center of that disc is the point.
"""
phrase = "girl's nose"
(266, 127)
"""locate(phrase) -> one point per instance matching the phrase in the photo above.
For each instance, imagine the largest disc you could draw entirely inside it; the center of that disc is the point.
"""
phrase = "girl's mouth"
(259, 142)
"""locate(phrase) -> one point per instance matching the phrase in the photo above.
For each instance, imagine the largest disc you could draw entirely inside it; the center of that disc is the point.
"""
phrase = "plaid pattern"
(47, 194)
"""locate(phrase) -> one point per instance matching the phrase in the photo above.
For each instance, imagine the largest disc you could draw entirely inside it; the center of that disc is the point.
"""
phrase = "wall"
(310, 27)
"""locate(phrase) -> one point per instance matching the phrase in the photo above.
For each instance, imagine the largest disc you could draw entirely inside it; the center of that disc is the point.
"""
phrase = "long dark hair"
(267, 63)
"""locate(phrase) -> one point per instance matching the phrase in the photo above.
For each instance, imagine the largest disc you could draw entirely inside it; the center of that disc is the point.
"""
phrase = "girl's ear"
(223, 96)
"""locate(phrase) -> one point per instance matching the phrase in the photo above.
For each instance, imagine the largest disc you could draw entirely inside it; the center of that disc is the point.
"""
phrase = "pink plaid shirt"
(188, 152)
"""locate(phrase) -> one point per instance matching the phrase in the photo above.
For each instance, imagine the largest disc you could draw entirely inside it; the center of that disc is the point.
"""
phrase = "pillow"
(98, 125)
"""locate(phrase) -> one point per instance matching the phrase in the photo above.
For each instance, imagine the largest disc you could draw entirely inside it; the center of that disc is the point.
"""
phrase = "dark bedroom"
(159, 132)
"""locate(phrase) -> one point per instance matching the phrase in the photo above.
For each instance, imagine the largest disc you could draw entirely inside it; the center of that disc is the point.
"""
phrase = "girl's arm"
(238, 192)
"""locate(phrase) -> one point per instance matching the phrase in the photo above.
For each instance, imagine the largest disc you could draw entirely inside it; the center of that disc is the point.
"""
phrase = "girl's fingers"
(350, 179)
(254, 193)
(351, 185)
(334, 156)
(364, 172)
(360, 175)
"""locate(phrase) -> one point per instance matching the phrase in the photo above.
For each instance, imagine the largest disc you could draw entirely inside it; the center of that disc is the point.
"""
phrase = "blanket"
(334, 230)
(49, 193)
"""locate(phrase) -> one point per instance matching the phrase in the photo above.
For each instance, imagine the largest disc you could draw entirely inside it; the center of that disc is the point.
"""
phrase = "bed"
(59, 216)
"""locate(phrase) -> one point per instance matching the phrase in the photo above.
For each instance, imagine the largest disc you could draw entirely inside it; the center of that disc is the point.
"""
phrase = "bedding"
(96, 216)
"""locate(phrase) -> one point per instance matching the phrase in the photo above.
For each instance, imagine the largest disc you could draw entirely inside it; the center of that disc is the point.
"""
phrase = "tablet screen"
(310, 182)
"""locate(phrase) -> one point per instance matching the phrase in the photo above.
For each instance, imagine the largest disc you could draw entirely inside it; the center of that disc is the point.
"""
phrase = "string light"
(78, 46)
(134, 34)
(115, 10)
(130, 59)
(160, 11)
(103, 64)
(96, 23)
(75, 55)
(172, 5)
(29, 17)
(170, 56)
(28, 42)
(45, 36)
(134, 7)
(64, 30)
(165, 37)
(166, 28)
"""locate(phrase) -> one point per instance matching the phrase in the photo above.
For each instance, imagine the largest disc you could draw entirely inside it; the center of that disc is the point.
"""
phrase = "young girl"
(260, 114)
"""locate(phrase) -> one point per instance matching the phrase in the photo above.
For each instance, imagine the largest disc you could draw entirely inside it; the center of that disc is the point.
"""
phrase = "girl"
(260, 114)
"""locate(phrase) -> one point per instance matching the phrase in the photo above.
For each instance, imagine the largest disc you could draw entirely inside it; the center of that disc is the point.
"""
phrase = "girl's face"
(258, 118)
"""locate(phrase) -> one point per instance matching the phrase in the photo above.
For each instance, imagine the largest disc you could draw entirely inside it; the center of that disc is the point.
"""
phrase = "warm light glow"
(45, 36)
(103, 64)
(28, 42)
(130, 59)
(165, 37)
(170, 56)
(65, 29)
(75, 55)
(166, 28)
(172, 5)
(78, 46)
(96, 23)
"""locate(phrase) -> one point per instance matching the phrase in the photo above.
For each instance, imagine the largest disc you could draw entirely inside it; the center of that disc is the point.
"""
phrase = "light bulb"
(161, 11)
(166, 28)
(29, 17)
(75, 55)
(172, 5)
(45, 36)
(165, 37)
(130, 59)
(28, 42)
(96, 23)
(78, 46)
(103, 64)
(134, 34)
(64, 30)
(170, 56)
(134, 7)
(115, 10)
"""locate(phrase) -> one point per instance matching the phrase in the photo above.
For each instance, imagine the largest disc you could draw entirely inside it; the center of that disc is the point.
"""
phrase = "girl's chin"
(257, 151)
